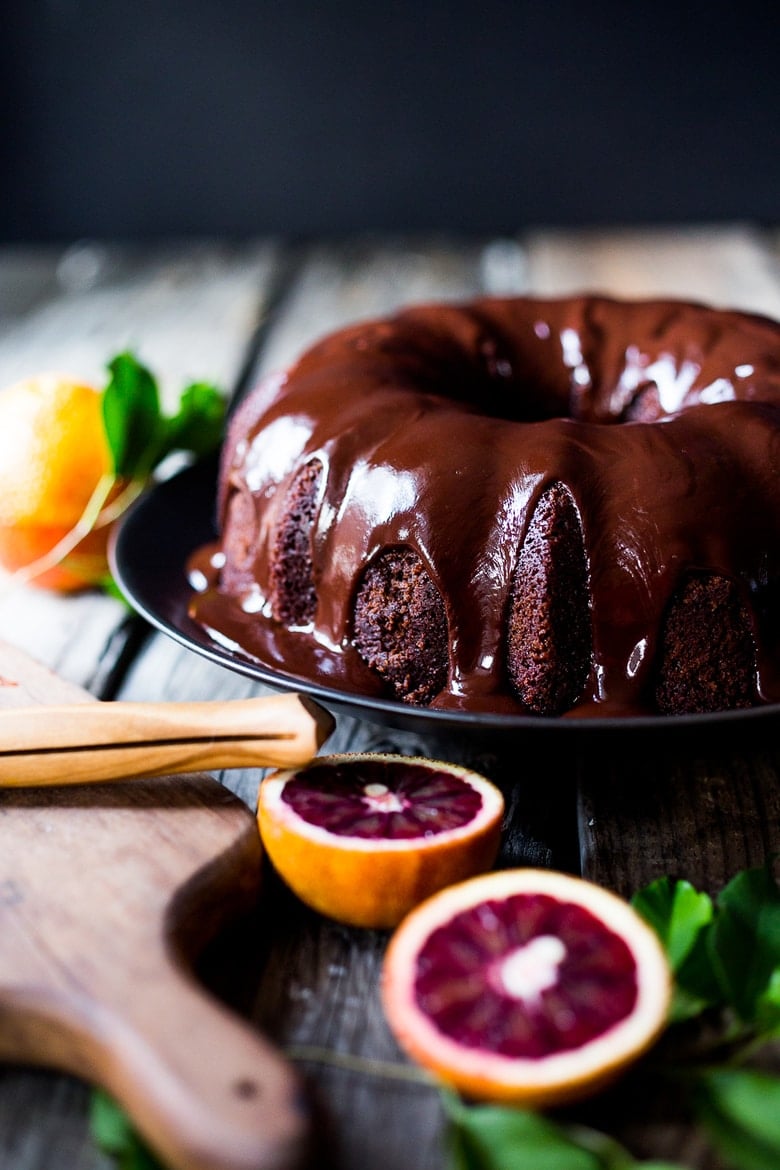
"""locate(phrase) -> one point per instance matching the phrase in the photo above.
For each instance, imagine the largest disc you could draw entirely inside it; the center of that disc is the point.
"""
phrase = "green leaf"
(744, 944)
(740, 1109)
(109, 1126)
(768, 1007)
(696, 986)
(131, 415)
(677, 913)
(492, 1137)
(682, 916)
(197, 427)
(611, 1155)
(139, 435)
(113, 1132)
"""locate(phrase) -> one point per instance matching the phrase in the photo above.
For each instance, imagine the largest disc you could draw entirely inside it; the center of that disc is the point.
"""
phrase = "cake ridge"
(440, 429)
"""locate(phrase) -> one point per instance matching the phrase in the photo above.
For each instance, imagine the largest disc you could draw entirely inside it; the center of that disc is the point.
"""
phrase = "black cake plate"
(150, 550)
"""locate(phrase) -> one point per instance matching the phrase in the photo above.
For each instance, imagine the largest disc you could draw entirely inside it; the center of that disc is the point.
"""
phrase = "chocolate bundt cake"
(565, 506)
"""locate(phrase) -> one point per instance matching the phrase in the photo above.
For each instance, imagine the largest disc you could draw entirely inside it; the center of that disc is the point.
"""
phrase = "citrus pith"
(362, 838)
(53, 455)
(526, 986)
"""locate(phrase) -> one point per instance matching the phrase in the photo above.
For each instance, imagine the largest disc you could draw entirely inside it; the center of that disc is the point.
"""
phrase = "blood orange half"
(525, 986)
(363, 838)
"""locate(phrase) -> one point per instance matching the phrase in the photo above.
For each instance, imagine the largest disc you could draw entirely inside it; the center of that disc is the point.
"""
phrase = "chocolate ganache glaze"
(559, 507)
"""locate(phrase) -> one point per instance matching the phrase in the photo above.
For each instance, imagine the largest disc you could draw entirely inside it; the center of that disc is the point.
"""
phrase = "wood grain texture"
(359, 279)
(190, 310)
(729, 265)
(50, 745)
(106, 892)
(694, 815)
(623, 814)
(701, 814)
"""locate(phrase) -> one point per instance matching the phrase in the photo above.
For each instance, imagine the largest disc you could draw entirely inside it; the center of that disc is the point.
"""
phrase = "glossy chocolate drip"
(440, 429)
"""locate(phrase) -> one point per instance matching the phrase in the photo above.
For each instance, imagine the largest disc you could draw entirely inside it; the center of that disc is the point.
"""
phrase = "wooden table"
(620, 813)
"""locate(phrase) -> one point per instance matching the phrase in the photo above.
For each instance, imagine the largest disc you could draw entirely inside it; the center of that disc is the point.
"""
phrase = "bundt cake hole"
(293, 589)
(549, 638)
(400, 626)
(645, 405)
(707, 652)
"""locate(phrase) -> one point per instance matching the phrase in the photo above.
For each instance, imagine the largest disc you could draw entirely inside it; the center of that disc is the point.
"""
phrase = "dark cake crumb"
(401, 626)
(293, 591)
(239, 541)
(707, 654)
(549, 639)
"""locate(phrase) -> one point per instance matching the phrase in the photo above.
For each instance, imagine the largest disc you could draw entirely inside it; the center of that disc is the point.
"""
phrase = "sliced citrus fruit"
(525, 986)
(363, 838)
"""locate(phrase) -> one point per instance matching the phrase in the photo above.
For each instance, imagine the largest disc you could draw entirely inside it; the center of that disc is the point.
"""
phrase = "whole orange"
(53, 454)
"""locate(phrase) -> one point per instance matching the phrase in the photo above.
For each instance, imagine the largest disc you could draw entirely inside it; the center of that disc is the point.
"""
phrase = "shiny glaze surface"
(440, 428)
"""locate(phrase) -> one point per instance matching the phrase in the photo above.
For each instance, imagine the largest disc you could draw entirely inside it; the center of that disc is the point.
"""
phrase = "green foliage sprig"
(140, 436)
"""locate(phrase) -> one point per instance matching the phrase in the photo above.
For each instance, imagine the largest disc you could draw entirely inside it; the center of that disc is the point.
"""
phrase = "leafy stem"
(140, 436)
(91, 518)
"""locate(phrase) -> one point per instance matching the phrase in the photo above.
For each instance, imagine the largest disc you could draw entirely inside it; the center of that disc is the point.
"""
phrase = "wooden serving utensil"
(106, 895)
(111, 741)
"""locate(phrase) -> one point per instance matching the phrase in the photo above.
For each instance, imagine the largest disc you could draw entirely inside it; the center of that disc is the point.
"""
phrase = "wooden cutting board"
(106, 892)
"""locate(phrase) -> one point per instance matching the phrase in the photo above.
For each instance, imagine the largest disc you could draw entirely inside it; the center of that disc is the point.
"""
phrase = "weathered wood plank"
(338, 285)
(42, 1123)
(701, 814)
(191, 311)
(730, 266)
(698, 814)
(318, 995)
(69, 634)
(317, 984)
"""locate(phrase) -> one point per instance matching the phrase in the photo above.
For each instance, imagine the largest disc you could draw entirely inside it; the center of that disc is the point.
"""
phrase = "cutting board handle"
(93, 742)
(206, 1091)
(107, 894)
(212, 1095)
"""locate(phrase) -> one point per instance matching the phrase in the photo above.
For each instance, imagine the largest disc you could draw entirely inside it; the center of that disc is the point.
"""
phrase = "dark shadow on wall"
(137, 118)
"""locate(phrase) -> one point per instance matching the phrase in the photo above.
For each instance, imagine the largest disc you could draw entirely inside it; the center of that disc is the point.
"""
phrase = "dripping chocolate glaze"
(439, 429)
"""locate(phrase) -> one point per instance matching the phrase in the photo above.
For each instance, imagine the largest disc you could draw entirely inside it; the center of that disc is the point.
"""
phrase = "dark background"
(133, 118)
